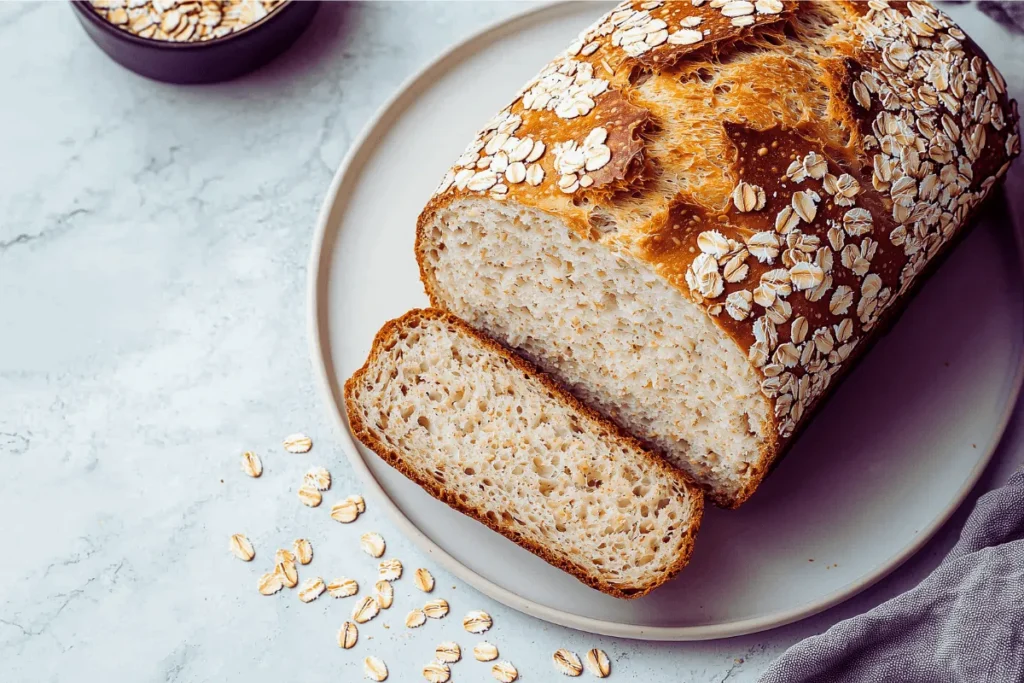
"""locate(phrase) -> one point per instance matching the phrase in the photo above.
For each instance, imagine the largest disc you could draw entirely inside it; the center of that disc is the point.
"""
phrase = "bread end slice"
(485, 432)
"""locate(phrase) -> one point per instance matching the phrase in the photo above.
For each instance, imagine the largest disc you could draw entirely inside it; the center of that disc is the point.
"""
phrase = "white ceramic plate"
(880, 469)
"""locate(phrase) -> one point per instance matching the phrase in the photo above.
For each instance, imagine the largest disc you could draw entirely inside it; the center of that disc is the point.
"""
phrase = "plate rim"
(330, 389)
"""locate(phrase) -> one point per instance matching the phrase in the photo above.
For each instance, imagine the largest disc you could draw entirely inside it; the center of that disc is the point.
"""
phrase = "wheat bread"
(487, 433)
(702, 213)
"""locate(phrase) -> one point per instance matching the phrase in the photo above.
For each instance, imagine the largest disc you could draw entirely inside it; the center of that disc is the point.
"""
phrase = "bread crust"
(367, 437)
(829, 152)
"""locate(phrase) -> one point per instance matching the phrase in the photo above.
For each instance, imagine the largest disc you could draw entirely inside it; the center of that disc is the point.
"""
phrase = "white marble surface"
(153, 247)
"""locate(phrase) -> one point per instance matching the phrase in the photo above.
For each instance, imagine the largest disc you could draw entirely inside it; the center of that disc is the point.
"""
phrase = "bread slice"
(487, 433)
(614, 333)
(700, 215)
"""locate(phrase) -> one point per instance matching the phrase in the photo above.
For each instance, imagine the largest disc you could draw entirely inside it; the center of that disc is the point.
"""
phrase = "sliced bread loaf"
(487, 433)
(700, 215)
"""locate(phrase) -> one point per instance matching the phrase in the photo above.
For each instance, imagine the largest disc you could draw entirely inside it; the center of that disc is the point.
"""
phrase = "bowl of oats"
(193, 41)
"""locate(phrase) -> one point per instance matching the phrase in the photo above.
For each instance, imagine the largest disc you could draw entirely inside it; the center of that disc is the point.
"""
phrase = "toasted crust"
(890, 124)
(395, 460)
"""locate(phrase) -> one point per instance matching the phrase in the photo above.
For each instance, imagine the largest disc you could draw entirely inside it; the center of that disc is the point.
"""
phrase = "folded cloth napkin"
(1009, 14)
(964, 623)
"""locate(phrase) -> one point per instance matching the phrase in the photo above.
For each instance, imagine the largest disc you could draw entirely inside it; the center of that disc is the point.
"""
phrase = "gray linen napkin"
(1009, 14)
(964, 623)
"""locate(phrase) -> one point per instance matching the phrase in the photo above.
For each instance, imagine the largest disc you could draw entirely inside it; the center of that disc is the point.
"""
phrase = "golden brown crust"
(367, 437)
(794, 177)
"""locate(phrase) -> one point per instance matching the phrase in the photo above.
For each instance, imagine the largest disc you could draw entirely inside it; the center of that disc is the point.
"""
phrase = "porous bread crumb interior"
(613, 331)
(501, 443)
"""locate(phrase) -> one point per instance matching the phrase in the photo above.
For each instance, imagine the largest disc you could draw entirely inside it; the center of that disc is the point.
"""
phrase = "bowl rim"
(86, 9)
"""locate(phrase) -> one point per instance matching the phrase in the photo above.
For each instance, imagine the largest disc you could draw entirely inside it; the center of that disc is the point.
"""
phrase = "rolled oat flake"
(192, 21)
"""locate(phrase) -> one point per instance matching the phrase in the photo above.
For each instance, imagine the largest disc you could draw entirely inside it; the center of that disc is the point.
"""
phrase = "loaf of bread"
(701, 214)
(485, 432)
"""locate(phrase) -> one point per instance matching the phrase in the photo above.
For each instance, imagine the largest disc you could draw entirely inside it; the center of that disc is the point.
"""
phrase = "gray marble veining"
(153, 246)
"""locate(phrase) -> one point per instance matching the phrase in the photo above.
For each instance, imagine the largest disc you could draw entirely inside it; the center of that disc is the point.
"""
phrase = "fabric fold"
(964, 623)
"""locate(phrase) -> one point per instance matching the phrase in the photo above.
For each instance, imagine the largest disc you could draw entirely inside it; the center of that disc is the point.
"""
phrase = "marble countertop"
(153, 253)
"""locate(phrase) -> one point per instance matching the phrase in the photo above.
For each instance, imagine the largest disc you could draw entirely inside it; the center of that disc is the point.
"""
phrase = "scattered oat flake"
(269, 583)
(342, 588)
(567, 662)
(448, 652)
(309, 496)
(597, 662)
(485, 652)
(415, 619)
(437, 672)
(504, 672)
(289, 575)
(345, 511)
(390, 570)
(319, 478)
(424, 580)
(436, 609)
(385, 594)
(372, 544)
(285, 566)
(366, 609)
(477, 622)
(251, 464)
(348, 634)
(375, 669)
(359, 502)
(303, 550)
(311, 589)
(298, 443)
(241, 547)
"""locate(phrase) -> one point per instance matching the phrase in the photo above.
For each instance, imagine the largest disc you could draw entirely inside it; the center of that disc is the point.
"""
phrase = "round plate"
(879, 470)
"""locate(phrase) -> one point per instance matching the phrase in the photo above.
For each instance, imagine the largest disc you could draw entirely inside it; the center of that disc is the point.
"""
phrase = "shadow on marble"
(316, 51)
(322, 44)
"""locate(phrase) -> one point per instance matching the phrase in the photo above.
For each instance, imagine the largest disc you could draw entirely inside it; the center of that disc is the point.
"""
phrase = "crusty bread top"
(792, 167)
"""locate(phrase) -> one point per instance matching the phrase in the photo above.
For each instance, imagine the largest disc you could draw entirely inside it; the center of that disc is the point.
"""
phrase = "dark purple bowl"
(219, 59)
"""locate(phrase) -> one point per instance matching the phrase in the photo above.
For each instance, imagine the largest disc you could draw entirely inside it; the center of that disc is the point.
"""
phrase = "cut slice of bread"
(619, 337)
(490, 435)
